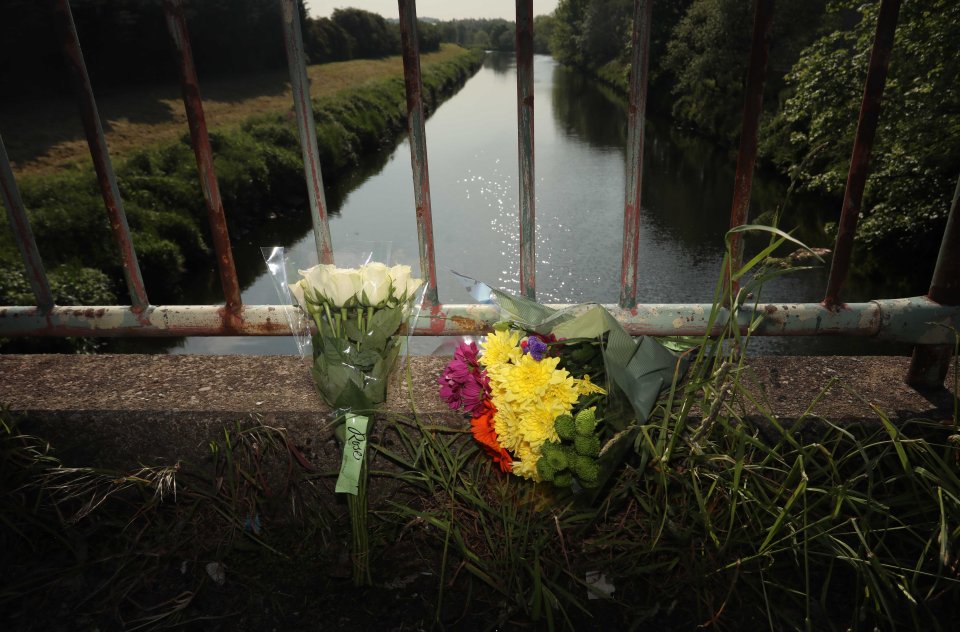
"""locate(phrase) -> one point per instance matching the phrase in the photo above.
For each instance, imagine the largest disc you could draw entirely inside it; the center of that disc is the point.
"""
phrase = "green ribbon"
(354, 448)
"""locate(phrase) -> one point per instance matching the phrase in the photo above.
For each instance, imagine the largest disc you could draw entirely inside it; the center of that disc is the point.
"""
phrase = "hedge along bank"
(258, 164)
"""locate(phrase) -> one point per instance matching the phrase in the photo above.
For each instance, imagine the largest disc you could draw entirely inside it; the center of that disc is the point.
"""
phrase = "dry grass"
(44, 137)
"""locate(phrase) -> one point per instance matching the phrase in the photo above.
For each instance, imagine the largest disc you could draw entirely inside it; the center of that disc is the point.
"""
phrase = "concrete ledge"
(124, 410)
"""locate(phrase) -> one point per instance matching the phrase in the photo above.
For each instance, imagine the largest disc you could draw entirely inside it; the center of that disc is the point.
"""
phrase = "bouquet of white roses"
(357, 312)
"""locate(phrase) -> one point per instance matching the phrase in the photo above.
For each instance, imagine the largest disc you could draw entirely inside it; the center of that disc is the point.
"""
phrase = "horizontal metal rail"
(916, 320)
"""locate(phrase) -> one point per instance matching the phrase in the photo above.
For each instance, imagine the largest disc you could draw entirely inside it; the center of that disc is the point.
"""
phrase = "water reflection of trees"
(500, 63)
(582, 110)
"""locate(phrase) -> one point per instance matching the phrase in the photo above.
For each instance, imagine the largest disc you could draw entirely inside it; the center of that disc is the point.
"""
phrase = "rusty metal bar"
(904, 320)
(101, 156)
(862, 145)
(418, 145)
(528, 215)
(193, 105)
(640, 45)
(22, 232)
(929, 364)
(306, 128)
(750, 124)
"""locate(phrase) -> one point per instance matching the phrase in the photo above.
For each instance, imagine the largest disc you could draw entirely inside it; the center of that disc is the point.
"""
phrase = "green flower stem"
(334, 325)
(360, 328)
(360, 544)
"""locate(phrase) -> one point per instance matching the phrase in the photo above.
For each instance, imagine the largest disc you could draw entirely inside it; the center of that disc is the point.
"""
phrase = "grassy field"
(44, 137)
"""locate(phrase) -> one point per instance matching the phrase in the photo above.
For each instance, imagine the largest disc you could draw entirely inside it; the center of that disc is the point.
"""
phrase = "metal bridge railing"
(924, 321)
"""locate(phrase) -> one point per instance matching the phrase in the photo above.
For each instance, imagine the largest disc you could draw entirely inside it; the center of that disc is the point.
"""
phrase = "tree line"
(126, 42)
(813, 87)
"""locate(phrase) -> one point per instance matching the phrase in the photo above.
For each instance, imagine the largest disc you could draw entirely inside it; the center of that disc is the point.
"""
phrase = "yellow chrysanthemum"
(530, 380)
(536, 426)
(499, 348)
(526, 463)
(586, 387)
(507, 426)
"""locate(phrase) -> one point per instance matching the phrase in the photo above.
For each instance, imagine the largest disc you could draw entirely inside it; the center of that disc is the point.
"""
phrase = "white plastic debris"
(598, 587)
(217, 572)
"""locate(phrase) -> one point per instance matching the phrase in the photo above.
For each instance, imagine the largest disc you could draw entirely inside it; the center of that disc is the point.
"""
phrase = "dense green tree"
(916, 156)
(709, 50)
(428, 37)
(542, 33)
(369, 34)
(325, 41)
(566, 43)
(489, 34)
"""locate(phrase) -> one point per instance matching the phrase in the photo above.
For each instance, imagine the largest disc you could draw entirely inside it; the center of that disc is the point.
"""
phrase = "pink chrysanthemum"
(463, 384)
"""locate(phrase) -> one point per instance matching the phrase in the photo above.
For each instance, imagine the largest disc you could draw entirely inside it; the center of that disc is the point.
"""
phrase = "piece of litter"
(217, 572)
(258, 403)
(204, 389)
(598, 587)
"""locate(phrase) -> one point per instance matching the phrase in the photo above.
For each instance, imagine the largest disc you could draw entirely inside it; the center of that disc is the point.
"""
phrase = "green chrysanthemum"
(565, 427)
(587, 470)
(585, 422)
(587, 445)
(545, 469)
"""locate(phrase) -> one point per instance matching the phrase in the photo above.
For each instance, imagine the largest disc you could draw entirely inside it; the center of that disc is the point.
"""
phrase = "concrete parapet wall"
(125, 410)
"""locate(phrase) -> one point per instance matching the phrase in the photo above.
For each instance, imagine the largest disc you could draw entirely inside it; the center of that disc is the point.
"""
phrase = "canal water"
(580, 138)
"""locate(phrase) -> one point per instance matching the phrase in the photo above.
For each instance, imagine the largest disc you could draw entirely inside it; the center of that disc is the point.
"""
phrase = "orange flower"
(483, 431)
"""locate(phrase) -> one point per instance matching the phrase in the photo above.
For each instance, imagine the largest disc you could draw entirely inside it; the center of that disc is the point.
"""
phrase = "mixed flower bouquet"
(557, 395)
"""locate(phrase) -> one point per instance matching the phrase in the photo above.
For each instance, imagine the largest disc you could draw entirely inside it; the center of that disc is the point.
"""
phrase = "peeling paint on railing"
(904, 320)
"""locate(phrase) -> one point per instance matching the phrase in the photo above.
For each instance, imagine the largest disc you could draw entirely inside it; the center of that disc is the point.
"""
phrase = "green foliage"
(914, 161)
(708, 53)
(325, 41)
(368, 35)
(543, 26)
(482, 34)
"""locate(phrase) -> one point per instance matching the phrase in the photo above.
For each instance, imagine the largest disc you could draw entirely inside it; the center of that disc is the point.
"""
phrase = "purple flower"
(463, 384)
(536, 347)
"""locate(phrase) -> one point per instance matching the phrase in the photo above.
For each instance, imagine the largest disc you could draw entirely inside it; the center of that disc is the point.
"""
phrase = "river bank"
(258, 163)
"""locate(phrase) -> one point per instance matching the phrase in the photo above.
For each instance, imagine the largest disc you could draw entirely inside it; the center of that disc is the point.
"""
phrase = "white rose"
(297, 290)
(399, 276)
(343, 286)
(375, 284)
(412, 286)
(316, 281)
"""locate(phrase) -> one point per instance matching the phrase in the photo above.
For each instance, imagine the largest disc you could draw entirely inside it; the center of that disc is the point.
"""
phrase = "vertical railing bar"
(525, 145)
(22, 233)
(101, 156)
(418, 145)
(862, 145)
(639, 63)
(749, 126)
(193, 105)
(929, 364)
(306, 128)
